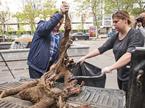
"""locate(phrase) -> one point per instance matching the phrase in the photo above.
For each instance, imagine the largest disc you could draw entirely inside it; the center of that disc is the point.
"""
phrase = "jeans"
(34, 74)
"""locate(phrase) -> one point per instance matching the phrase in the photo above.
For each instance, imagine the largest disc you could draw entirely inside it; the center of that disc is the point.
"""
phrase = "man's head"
(142, 16)
(139, 21)
(57, 27)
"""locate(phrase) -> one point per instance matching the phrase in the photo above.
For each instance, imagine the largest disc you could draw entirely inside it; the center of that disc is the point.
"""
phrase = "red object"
(92, 31)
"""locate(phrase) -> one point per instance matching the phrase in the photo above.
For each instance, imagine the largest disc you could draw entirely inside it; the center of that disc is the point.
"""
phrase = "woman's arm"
(124, 59)
(89, 55)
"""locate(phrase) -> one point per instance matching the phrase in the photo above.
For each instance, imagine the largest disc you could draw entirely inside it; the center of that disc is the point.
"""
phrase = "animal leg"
(15, 90)
(44, 103)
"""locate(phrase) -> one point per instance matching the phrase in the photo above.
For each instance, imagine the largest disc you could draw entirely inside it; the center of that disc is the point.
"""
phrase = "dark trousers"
(34, 74)
(123, 85)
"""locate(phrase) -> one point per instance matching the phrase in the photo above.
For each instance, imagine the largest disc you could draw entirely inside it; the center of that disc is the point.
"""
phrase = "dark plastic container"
(136, 93)
(87, 69)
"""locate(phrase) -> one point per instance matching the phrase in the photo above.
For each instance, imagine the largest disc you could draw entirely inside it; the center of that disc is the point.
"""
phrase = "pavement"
(101, 61)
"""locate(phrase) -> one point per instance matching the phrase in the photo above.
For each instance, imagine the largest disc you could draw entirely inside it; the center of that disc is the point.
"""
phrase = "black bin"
(87, 69)
(136, 92)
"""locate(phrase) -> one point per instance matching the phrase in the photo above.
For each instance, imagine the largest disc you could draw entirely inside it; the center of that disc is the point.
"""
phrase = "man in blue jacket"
(44, 48)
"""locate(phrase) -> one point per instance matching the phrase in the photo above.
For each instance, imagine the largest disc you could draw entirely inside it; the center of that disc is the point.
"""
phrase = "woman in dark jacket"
(123, 43)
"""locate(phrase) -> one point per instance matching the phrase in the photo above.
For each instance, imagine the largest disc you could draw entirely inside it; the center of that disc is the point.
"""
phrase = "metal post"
(7, 65)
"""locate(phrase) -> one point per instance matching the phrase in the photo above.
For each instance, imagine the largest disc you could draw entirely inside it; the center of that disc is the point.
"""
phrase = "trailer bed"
(93, 96)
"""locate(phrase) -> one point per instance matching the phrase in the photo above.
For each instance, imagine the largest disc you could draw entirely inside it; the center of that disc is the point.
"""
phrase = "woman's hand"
(81, 60)
(107, 69)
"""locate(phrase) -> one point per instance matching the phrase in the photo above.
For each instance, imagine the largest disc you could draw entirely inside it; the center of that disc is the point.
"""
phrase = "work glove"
(107, 69)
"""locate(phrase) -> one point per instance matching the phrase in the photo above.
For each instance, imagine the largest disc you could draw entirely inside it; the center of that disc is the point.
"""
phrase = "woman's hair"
(122, 15)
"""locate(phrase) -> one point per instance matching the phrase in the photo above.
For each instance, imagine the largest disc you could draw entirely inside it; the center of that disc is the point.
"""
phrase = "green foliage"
(110, 6)
(91, 6)
(128, 5)
(10, 29)
(48, 9)
(0, 29)
(34, 10)
(4, 16)
(28, 15)
(137, 11)
(20, 31)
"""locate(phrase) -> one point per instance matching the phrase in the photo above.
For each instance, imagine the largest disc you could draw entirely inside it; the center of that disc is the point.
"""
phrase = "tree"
(4, 16)
(19, 17)
(94, 6)
(132, 6)
(81, 11)
(28, 15)
(33, 10)
(139, 7)
(90, 7)
(48, 8)
(112, 5)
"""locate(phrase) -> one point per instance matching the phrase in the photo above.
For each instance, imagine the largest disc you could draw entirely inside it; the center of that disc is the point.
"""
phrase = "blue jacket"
(39, 53)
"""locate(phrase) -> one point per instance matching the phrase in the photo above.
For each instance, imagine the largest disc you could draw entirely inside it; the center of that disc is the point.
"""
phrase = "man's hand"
(64, 7)
(52, 67)
(107, 69)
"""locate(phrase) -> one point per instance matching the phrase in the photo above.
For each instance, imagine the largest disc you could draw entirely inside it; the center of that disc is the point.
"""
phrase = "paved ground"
(101, 61)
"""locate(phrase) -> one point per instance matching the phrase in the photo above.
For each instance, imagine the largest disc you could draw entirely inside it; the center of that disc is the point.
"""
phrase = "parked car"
(80, 36)
(5, 38)
(22, 42)
(112, 33)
